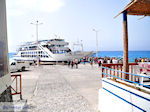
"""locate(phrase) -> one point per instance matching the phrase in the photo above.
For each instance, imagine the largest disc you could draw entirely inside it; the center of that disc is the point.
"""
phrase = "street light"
(96, 31)
(37, 35)
(82, 45)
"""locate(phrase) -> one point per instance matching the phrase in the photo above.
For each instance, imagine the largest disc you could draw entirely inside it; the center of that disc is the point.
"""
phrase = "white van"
(18, 65)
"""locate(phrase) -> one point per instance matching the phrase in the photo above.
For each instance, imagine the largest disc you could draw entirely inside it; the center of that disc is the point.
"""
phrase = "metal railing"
(16, 85)
(115, 88)
(119, 67)
(117, 74)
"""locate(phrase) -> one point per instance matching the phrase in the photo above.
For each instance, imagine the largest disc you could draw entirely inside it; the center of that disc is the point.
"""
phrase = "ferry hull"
(57, 57)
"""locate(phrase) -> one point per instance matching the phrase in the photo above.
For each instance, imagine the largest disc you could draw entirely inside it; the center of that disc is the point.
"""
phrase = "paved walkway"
(60, 88)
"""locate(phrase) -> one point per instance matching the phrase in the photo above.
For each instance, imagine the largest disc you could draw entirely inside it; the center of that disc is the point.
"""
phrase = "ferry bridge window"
(32, 47)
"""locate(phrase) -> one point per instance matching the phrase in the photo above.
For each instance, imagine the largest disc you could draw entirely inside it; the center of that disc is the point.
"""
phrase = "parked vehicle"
(18, 65)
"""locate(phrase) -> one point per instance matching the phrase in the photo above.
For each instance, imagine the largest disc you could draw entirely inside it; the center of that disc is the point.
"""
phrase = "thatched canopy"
(138, 7)
(135, 7)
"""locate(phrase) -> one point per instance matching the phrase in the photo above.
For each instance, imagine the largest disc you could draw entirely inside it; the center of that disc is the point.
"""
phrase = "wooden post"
(125, 45)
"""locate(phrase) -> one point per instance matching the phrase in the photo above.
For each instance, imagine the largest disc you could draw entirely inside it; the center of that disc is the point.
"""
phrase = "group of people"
(142, 60)
(93, 60)
(101, 60)
(73, 63)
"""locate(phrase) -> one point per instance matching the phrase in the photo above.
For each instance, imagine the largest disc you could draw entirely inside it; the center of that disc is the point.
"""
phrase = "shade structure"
(138, 7)
(135, 7)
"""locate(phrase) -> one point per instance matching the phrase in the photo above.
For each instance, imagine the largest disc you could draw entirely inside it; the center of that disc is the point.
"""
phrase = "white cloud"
(20, 7)
(14, 12)
(50, 5)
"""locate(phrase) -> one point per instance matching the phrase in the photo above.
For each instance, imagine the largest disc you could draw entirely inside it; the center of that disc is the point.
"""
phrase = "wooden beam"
(125, 44)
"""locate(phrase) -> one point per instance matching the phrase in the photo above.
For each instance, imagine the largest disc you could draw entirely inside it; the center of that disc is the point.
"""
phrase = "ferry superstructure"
(53, 50)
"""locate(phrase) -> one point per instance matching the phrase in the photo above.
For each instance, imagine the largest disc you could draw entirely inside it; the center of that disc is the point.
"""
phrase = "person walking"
(72, 63)
(69, 63)
(76, 63)
(99, 62)
(91, 62)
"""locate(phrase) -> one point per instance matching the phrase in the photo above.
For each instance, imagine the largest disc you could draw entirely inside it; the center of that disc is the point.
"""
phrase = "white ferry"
(53, 50)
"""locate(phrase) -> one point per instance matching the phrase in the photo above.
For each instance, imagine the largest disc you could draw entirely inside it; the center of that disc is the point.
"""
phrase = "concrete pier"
(59, 88)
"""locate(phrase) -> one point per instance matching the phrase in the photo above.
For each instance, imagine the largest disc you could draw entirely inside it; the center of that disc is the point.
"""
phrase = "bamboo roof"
(138, 7)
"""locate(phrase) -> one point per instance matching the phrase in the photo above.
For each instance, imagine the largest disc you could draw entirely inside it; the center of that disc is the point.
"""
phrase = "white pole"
(37, 24)
(96, 31)
(37, 32)
(97, 42)
(82, 45)
(38, 58)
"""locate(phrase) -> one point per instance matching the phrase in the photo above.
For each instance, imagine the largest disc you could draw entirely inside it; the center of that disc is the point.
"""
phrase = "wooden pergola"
(135, 7)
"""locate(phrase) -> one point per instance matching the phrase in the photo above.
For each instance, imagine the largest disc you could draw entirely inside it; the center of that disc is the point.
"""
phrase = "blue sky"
(74, 20)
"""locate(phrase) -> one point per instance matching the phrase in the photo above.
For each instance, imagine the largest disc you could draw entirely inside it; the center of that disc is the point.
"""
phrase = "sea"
(118, 54)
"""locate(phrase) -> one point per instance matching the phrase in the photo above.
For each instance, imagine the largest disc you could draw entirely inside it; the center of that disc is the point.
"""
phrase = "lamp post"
(82, 45)
(37, 36)
(96, 31)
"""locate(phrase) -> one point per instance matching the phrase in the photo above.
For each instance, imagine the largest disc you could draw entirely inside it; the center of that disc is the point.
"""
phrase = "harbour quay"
(61, 88)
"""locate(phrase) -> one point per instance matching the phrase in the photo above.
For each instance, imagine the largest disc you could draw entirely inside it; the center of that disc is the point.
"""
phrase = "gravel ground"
(54, 93)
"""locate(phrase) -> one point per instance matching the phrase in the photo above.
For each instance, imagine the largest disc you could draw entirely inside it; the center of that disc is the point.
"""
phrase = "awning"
(137, 7)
